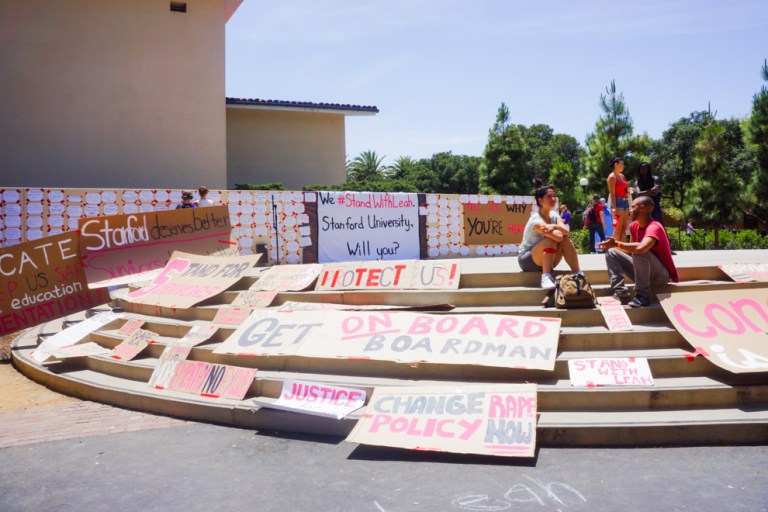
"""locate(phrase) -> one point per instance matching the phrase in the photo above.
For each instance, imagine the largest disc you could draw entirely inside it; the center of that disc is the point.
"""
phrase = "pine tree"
(504, 169)
(612, 136)
(758, 135)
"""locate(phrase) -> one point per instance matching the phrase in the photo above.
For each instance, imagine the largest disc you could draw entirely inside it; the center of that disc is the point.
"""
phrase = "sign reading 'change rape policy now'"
(43, 280)
(364, 226)
(488, 419)
(488, 340)
(730, 326)
(116, 247)
(188, 279)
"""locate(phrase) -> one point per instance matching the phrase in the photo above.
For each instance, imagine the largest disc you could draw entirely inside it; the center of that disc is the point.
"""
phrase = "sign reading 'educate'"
(116, 247)
(728, 327)
(43, 280)
(188, 279)
(495, 223)
(489, 419)
(488, 340)
(390, 275)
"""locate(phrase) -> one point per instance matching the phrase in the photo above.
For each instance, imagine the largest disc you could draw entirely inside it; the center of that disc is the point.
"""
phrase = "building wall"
(293, 148)
(112, 93)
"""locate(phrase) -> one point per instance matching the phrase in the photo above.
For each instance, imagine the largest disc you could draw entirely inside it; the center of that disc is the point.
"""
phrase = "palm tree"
(367, 166)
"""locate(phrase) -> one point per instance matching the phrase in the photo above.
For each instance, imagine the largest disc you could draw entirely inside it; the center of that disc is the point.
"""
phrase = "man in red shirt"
(647, 259)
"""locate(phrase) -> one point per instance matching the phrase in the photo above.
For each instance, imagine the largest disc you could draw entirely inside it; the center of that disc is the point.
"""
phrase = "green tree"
(455, 174)
(715, 189)
(403, 167)
(367, 166)
(758, 135)
(612, 136)
(504, 169)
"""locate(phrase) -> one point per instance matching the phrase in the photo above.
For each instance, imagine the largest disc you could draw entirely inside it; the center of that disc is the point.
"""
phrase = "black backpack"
(590, 215)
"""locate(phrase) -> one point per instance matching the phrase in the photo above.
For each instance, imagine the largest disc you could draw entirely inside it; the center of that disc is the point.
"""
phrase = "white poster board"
(317, 399)
(619, 371)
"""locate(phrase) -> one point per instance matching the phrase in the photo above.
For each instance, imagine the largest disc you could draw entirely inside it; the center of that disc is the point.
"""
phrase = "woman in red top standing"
(619, 191)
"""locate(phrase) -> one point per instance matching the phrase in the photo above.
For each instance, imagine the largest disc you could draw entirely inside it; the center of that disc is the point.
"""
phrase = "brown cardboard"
(495, 223)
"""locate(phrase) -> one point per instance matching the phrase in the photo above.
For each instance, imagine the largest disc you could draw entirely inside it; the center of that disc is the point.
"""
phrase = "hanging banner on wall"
(43, 280)
(728, 327)
(492, 419)
(365, 226)
(489, 340)
(116, 247)
(390, 275)
(188, 279)
(495, 223)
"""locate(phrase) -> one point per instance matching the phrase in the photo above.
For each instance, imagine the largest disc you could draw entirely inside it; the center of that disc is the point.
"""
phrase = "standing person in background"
(546, 239)
(595, 221)
(565, 215)
(608, 219)
(689, 229)
(204, 201)
(649, 185)
(186, 201)
(619, 191)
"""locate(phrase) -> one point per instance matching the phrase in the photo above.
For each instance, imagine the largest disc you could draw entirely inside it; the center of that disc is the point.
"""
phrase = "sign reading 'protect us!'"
(492, 419)
(728, 327)
(115, 247)
(488, 340)
(188, 279)
(390, 275)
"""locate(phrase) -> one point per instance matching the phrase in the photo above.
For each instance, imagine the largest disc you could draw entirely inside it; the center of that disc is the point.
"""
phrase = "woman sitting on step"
(546, 238)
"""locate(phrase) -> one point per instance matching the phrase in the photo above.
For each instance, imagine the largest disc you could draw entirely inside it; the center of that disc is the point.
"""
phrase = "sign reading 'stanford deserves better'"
(117, 246)
(43, 280)
(488, 419)
(488, 340)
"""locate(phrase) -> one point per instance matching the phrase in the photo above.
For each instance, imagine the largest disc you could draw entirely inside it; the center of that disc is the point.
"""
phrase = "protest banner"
(495, 223)
(290, 306)
(284, 278)
(80, 350)
(728, 327)
(231, 316)
(254, 299)
(114, 247)
(363, 226)
(189, 278)
(746, 272)
(73, 334)
(166, 365)
(133, 344)
(43, 280)
(130, 327)
(390, 275)
(490, 340)
(621, 371)
(316, 399)
(614, 314)
(488, 419)
(196, 335)
(212, 380)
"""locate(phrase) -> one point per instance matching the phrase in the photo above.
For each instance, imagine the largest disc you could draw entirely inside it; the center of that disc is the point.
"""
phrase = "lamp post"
(584, 182)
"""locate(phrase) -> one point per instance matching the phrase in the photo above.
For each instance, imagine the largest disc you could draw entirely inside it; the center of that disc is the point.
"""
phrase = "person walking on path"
(546, 239)
(595, 221)
(618, 196)
(646, 259)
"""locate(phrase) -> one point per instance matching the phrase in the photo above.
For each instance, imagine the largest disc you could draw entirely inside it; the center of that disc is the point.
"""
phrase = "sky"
(439, 70)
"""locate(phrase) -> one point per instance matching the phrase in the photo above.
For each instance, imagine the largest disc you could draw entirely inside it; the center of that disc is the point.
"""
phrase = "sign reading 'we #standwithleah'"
(365, 226)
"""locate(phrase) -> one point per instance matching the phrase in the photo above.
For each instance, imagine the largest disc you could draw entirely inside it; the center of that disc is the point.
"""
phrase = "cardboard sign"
(80, 350)
(614, 314)
(495, 223)
(747, 272)
(130, 327)
(622, 371)
(290, 306)
(728, 327)
(212, 380)
(133, 344)
(116, 246)
(317, 399)
(197, 335)
(365, 226)
(41, 281)
(166, 365)
(488, 419)
(73, 334)
(232, 316)
(254, 299)
(488, 340)
(390, 275)
(284, 278)
(188, 279)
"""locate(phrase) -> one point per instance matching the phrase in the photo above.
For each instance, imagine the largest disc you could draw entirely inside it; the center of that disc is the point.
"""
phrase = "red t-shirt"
(661, 248)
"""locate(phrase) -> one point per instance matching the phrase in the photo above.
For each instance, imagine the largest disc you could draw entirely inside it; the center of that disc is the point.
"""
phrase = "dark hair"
(202, 191)
(186, 195)
(596, 197)
(645, 182)
(541, 189)
(615, 160)
(646, 165)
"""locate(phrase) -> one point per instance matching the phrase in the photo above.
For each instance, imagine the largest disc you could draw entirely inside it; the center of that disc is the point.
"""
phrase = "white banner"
(317, 399)
(619, 371)
(365, 226)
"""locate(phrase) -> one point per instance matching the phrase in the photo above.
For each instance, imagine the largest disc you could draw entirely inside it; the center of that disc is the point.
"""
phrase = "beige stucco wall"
(112, 93)
(290, 147)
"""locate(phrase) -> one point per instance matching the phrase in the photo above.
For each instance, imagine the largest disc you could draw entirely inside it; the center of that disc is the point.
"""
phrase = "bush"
(580, 238)
(703, 240)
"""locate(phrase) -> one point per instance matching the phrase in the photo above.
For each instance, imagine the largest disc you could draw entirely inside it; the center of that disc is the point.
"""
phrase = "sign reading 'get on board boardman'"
(43, 280)
(116, 247)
